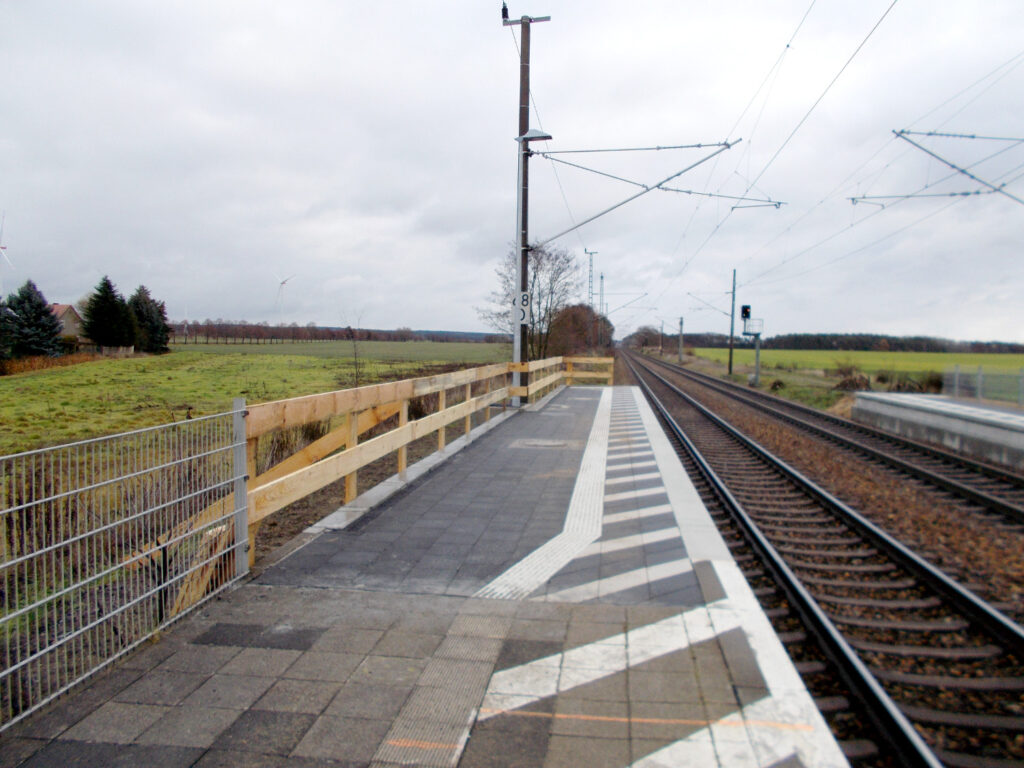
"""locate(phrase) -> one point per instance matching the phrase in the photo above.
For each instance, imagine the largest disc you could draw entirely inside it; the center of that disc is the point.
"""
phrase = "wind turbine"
(280, 297)
(3, 252)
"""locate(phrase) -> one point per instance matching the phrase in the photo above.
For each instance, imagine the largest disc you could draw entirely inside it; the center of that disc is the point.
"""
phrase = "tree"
(576, 329)
(644, 336)
(27, 325)
(108, 320)
(554, 278)
(151, 320)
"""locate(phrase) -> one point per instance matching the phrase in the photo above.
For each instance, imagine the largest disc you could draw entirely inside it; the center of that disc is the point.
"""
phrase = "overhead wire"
(1010, 64)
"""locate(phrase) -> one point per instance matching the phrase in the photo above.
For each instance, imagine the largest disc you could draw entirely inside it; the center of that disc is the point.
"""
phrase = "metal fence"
(104, 542)
(979, 384)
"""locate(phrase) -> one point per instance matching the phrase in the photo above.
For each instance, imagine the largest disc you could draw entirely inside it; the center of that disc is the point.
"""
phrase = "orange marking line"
(414, 744)
(654, 720)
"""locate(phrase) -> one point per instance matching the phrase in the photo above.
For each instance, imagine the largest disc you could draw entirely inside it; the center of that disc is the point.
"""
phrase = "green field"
(60, 405)
(867, 362)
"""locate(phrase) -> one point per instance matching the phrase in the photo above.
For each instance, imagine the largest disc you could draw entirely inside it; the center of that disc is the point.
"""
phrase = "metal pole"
(981, 382)
(956, 380)
(732, 319)
(680, 340)
(1020, 388)
(518, 335)
(757, 359)
(524, 183)
(600, 337)
(661, 340)
(240, 489)
(590, 296)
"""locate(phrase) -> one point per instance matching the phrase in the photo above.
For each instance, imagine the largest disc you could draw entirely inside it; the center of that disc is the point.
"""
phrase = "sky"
(364, 154)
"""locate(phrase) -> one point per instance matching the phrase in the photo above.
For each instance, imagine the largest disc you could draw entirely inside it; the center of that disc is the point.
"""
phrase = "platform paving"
(553, 595)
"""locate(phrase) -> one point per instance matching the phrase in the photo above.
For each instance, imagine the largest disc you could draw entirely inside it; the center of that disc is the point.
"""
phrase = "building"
(70, 320)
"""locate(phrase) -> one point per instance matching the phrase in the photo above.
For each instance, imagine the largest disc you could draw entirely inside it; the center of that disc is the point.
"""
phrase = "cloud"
(208, 150)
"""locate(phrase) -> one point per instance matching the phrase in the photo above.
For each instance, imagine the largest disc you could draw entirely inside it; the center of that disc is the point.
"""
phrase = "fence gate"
(104, 542)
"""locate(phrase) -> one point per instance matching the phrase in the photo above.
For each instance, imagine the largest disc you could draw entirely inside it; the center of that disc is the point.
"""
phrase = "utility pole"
(732, 319)
(600, 335)
(661, 340)
(520, 352)
(680, 340)
(590, 296)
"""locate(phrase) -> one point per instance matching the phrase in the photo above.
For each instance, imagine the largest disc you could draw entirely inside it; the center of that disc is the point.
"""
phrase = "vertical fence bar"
(241, 496)
(403, 452)
(981, 382)
(956, 381)
(441, 405)
(1020, 388)
(468, 421)
(351, 488)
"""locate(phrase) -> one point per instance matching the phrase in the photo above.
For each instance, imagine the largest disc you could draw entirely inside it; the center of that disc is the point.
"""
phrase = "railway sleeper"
(896, 584)
(959, 653)
(1011, 684)
(838, 554)
(882, 605)
(824, 542)
(905, 625)
(963, 719)
(845, 568)
(831, 704)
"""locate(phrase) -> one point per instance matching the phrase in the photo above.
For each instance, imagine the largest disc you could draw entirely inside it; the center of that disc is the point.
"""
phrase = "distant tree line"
(648, 336)
(222, 331)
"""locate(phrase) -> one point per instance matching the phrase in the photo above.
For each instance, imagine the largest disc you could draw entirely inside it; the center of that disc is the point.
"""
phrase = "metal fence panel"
(979, 384)
(104, 542)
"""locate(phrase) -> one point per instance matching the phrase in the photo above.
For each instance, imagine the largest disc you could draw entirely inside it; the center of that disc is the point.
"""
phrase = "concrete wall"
(964, 429)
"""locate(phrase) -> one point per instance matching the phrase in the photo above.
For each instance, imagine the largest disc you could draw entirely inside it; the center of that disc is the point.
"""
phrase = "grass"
(61, 405)
(809, 376)
(868, 362)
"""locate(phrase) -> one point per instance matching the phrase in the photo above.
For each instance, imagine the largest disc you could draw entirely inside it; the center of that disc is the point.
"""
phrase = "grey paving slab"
(189, 726)
(265, 732)
(65, 754)
(298, 696)
(116, 722)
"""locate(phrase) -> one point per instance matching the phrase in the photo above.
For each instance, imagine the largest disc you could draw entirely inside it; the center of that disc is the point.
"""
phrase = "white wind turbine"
(3, 253)
(280, 297)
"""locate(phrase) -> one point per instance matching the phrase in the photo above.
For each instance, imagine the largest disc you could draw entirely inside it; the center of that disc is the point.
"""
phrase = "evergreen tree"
(27, 324)
(108, 319)
(151, 319)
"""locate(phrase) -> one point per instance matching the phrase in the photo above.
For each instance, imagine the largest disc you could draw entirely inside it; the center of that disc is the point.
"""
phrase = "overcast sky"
(210, 150)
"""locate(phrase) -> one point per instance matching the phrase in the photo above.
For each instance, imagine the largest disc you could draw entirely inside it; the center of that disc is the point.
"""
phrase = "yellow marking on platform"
(414, 744)
(655, 720)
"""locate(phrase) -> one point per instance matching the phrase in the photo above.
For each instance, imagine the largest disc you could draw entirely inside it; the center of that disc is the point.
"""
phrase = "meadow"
(867, 362)
(60, 405)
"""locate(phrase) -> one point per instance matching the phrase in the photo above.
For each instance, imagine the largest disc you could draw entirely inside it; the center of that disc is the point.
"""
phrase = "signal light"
(745, 312)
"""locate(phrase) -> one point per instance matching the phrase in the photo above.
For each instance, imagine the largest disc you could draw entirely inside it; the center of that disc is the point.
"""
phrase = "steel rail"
(888, 720)
(983, 498)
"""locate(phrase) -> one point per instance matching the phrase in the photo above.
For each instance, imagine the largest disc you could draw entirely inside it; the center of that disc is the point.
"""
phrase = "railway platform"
(979, 430)
(554, 594)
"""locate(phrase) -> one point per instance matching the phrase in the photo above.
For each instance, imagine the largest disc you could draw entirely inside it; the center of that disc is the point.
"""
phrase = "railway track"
(932, 673)
(988, 489)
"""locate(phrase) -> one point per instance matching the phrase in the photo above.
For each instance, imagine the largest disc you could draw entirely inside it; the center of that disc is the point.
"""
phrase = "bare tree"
(554, 280)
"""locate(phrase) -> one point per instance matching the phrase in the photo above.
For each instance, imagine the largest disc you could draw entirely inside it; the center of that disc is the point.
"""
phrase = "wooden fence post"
(351, 486)
(441, 405)
(403, 452)
(469, 417)
(568, 373)
(487, 391)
